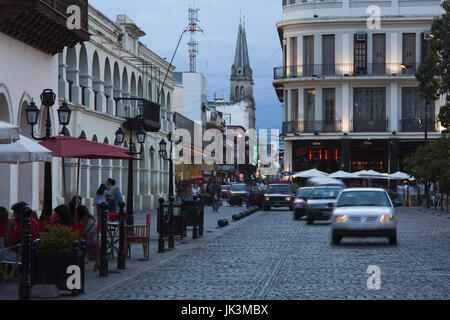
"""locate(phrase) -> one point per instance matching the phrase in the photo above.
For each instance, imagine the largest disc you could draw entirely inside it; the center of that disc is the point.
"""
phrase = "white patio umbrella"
(343, 175)
(325, 181)
(400, 176)
(24, 150)
(313, 173)
(370, 174)
(8, 133)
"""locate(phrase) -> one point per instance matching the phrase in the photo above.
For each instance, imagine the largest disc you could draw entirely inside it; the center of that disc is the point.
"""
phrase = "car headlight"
(342, 219)
(288, 198)
(385, 218)
(267, 198)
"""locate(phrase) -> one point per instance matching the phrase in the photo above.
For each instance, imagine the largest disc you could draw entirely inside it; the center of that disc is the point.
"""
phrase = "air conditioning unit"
(361, 37)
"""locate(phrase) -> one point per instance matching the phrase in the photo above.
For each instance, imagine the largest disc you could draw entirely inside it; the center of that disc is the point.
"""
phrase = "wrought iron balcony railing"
(343, 70)
(325, 126)
(416, 125)
(375, 125)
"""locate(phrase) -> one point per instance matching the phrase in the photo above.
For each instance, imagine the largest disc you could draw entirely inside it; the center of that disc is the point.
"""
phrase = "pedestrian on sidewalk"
(100, 197)
(215, 191)
(116, 196)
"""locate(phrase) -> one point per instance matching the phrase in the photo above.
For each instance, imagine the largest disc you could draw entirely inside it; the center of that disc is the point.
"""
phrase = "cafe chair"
(138, 235)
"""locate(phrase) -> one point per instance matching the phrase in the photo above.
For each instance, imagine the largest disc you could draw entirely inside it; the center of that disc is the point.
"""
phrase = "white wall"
(24, 73)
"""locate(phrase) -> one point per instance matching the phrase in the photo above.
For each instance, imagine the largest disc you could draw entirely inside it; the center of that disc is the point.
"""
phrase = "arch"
(71, 71)
(96, 76)
(22, 122)
(150, 93)
(84, 74)
(106, 141)
(163, 99)
(108, 86)
(236, 95)
(125, 86)
(242, 96)
(5, 104)
(168, 102)
(82, 135)
(140, 92)
(94, 138)
(133, 90)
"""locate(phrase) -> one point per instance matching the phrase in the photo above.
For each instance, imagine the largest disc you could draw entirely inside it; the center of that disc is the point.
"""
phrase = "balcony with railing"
(417, 125)
(43, 24)
(344, 70)
(324, 126)
(375, 125)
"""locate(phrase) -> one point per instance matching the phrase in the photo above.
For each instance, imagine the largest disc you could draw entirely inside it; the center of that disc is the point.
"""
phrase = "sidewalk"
(93, 283)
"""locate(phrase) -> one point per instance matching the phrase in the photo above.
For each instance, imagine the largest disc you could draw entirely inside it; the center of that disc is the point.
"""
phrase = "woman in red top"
(3, 223)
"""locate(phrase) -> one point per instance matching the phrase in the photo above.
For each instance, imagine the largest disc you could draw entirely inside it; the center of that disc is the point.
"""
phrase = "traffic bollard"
(103, 269)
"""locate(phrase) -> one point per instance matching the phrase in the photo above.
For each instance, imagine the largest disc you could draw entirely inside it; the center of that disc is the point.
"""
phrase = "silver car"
(363, 212)
(320, 204)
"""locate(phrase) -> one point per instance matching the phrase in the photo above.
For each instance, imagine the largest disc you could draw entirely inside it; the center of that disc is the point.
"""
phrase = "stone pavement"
(93, 283)
(270, 256)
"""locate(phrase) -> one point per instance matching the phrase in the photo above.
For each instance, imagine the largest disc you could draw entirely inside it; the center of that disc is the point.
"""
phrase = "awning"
(343, 175)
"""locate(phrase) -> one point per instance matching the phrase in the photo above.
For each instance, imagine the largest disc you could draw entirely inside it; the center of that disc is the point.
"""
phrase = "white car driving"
(364, 212)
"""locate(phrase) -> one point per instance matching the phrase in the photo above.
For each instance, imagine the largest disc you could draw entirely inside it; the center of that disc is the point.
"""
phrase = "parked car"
(364, 212)
(237, 194)
(278, 196)
(320, 203)
(224, 191)
(301, 199)
(256, 197)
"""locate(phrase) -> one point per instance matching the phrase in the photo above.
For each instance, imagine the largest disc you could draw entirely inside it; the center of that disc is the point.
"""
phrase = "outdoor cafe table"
(112, 239)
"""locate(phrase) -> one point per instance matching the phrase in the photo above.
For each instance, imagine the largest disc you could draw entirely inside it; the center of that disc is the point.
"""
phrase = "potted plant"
(51, 256)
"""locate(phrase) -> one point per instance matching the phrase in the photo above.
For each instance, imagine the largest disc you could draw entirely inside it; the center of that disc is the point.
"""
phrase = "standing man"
(116, 195)
(215, 193)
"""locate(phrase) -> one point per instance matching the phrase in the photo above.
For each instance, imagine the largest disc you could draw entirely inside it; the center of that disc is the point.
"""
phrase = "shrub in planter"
(51, 256)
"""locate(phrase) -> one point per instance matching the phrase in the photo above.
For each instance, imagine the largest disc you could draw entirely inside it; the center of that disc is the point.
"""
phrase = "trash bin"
(178, 222)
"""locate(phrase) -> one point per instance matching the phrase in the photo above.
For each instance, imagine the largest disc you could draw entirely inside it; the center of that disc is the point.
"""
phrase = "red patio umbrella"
(68, 147)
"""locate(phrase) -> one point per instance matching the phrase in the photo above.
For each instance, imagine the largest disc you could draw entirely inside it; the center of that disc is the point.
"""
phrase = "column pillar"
(86, 80)
(346, 154)
(73, 75)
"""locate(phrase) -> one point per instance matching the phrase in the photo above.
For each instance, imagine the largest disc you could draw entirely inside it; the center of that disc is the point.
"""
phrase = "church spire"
(241, 59)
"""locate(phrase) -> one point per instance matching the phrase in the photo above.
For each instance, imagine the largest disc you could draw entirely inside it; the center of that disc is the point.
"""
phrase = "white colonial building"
(351, 100)
(89, 75)
(115, 64)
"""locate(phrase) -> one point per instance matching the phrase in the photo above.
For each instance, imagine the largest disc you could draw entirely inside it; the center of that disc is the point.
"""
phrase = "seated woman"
(89, 226)
(63, 217)
(13, 234)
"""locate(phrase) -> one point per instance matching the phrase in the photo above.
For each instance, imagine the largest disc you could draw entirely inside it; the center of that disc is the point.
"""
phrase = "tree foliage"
(434, 74)
(432, 163)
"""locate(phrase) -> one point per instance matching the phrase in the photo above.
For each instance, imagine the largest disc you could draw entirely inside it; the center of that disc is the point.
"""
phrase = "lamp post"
(163, 155)
(48, 99)
(120, 138)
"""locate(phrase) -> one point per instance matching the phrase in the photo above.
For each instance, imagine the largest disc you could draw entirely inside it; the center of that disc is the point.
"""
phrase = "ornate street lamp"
(48, 98)
(120, 138)
(152, 151)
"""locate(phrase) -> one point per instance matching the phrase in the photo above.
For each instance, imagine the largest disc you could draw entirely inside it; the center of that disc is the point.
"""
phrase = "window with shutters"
(409, 53)
(329, 108)
(360, 54)
(308, 55)
(328, 54)
(310, 110)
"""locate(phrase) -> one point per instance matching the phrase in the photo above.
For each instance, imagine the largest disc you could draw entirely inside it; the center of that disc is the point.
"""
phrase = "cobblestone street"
(271, 256)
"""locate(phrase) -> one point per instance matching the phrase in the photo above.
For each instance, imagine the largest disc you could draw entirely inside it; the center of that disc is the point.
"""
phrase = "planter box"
(51, 268)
